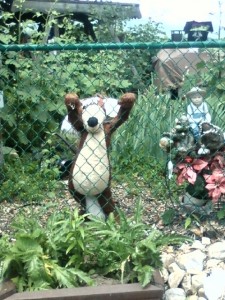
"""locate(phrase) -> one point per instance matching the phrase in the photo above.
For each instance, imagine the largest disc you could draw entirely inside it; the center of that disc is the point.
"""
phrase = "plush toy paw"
(72, 101)
(127, 100)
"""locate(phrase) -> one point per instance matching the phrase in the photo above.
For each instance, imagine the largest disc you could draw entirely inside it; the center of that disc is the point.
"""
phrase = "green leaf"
(168, 216)
(23, 138)
(221, 214)
(27, 244)
(63, 276)
(188, 222)
(145, 275)
(82, 276)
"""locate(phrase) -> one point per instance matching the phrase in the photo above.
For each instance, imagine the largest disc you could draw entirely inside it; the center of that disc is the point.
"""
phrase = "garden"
(45, 242)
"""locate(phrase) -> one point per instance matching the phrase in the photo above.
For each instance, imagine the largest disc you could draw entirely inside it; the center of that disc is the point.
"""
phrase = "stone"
(192, 297)
(206, 241)
(217, 250)
(212, 263)
(191, 262)
(196, 271)
(197, 281)
(165, 274)
(167, 259)
(174, 268)
(214, 284)
(175, 294)
(197, 245)
(201, 292)
(175, 278)
(186, 284)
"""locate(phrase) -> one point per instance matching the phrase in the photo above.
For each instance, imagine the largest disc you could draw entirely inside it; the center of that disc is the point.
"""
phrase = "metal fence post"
(1, 142)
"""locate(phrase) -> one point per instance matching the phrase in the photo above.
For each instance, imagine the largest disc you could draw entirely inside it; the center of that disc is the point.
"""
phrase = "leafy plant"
(64, 251)
(128, 250)
(35, 182)
(37, 258)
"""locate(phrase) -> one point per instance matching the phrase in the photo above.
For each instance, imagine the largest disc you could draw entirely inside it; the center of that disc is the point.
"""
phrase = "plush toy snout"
(93, 117)
(92, 121)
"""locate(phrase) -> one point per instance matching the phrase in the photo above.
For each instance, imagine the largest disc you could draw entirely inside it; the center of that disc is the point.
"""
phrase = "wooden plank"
(103, 292)
(7, 289)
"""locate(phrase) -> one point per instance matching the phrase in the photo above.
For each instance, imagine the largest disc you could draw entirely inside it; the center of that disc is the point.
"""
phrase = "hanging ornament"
(170, 169)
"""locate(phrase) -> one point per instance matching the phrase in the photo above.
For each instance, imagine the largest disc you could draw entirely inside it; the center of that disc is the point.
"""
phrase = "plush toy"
(211, 139)
(90, 174)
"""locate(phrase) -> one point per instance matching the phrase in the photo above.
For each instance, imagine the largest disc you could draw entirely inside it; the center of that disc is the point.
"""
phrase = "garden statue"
(90, 174)
(197, 110)
(201, 164)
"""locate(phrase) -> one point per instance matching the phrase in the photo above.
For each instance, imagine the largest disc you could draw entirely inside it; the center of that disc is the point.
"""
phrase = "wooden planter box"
(102, 292)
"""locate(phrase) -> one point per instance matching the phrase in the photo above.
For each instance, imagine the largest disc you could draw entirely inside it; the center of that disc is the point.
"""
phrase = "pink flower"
(218, 162)
(189, 169)
(215, 184)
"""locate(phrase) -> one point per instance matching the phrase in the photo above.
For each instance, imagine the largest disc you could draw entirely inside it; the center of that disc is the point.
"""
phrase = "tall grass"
(139, 137)
(217, 110)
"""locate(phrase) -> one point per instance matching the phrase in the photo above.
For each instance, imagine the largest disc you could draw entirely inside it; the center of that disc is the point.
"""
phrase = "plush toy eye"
(84, 107)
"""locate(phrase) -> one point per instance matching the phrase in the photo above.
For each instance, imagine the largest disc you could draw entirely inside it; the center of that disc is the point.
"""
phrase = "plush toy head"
(212, 136)
(93, 117)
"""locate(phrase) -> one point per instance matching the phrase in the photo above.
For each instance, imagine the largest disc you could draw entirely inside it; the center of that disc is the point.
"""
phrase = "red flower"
(215, 184)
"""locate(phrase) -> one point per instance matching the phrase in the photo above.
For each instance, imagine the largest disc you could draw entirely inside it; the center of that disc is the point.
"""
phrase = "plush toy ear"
(71, 100)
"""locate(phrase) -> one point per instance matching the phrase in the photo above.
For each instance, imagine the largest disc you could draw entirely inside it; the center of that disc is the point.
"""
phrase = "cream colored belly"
(91, 171)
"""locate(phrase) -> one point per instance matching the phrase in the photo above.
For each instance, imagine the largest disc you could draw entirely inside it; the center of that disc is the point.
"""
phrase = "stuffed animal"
(211, 139)
(90, 174)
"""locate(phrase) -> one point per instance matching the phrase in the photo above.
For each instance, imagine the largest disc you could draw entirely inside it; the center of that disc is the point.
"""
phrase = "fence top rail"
(111, 46)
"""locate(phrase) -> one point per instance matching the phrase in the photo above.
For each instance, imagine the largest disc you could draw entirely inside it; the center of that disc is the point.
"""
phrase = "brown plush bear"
(90, 174)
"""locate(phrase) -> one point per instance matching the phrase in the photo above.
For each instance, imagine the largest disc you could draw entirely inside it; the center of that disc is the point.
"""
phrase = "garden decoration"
(69, 135)
(201, 164)
(197, 110)
(90, 174)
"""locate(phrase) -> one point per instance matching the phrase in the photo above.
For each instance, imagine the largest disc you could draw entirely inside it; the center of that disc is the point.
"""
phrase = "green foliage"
(140, 61)
(36, 260)
(152, 113)
(168, 216)
(133, 250)
(135, 145)
(25, 180)
(221, 213)
(34, 83)
(66, 250)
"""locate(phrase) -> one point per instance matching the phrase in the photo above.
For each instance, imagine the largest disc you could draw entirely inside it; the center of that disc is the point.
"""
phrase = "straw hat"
(196, 90)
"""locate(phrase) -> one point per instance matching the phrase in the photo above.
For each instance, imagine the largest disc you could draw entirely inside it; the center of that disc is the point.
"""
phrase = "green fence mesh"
(169, 154)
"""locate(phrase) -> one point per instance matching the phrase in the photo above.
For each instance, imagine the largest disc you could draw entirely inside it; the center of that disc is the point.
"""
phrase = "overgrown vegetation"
(64, 250)
(67, 251)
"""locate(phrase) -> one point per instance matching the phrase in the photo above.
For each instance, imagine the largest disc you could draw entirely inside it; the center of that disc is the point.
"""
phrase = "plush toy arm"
(74, 108)
(126, 103)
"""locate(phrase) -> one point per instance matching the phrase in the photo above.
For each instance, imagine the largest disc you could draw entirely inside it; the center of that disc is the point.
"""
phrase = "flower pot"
(190, 200)
(191, 203)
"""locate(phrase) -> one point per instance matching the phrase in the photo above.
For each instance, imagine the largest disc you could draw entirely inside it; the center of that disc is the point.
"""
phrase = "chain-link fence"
(169, 153)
